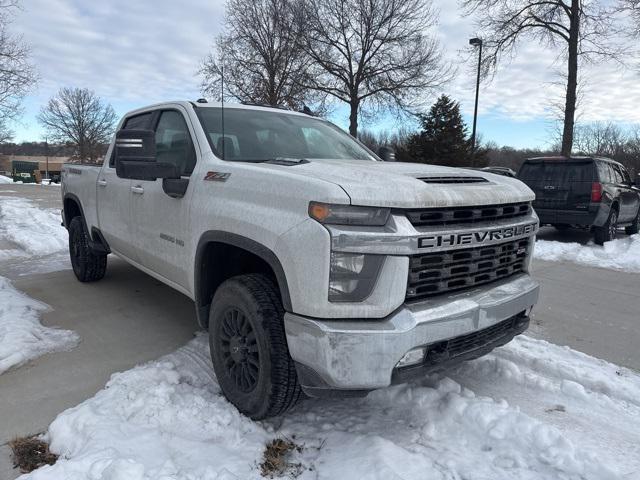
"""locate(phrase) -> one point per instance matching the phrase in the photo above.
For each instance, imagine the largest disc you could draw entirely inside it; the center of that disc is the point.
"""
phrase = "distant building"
(9, 163)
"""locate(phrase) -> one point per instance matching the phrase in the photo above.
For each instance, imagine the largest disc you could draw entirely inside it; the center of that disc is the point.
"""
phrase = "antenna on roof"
(222, 110)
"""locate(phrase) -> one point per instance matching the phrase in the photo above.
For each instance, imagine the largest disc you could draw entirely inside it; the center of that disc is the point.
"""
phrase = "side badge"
(217, 176)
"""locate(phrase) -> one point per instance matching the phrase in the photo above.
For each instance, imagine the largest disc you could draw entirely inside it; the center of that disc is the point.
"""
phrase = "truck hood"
(403, 185)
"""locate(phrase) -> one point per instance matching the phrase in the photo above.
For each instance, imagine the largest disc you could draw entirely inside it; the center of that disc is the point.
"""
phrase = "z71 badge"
(217, 176)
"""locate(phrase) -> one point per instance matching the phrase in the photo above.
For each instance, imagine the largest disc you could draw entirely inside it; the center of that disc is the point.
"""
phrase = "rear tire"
(609, 230)
(249, 347)
(87, 265)
(634, 227)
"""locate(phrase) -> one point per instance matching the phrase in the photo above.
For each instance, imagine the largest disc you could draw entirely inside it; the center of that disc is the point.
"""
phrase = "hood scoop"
(452, 180)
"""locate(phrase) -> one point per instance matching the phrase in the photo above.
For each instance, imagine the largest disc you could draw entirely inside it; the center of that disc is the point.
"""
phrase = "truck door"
(160, 221)
(114, 199)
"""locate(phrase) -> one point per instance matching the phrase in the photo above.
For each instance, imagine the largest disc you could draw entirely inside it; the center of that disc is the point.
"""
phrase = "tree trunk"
(353, 117)
(572, 80)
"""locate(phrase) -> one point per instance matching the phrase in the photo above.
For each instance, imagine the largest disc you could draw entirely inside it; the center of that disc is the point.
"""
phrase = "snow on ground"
(621, 253)
(4, 180)
(27, 230)
(22, 336)
(531, 410)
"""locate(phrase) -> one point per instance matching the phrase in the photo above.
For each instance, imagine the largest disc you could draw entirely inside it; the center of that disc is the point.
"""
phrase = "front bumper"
(358, 355)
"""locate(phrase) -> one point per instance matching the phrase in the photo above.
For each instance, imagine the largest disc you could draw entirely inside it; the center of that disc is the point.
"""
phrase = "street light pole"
(476, 42)
(46, 152)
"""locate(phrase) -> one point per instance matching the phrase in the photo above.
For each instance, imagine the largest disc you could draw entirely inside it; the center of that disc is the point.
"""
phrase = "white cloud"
(126, 51)
(528, 86)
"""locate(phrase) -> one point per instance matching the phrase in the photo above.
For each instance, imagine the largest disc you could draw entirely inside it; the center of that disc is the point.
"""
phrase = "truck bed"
(81, 181)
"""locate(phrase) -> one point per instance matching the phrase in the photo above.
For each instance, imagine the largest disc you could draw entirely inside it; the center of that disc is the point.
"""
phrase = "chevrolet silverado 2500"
(315, 266)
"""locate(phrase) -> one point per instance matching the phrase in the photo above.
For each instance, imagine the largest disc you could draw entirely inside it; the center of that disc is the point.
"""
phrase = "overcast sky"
(134, 53)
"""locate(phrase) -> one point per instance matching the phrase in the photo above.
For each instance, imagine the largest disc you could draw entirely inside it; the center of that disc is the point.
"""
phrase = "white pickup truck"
(315, 266)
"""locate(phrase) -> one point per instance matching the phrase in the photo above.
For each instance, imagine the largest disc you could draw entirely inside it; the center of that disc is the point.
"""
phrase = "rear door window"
(619, 177)
(625, 175)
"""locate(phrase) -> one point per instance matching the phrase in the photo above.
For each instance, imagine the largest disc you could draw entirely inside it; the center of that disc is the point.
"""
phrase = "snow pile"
(567, 416)
(29, 230)
(5, 180)
(22, 337)
(621, 253)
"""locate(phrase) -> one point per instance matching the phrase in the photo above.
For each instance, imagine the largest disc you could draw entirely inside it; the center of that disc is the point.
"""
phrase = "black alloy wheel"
(240, 350)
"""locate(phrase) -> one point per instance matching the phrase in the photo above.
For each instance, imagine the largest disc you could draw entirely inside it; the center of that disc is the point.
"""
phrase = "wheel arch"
(71, 208)
(224, 246)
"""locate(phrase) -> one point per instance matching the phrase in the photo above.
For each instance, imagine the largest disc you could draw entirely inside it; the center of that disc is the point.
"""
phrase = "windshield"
(259, 135)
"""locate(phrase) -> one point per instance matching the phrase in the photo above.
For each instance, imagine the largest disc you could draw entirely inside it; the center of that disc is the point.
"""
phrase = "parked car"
(586, 192)
(315, 266)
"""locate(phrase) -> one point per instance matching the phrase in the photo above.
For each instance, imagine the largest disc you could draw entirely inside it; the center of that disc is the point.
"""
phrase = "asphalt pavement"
(129, 318)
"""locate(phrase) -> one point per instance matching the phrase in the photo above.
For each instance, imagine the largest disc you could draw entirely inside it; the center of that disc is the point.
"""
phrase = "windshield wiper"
(287, 161)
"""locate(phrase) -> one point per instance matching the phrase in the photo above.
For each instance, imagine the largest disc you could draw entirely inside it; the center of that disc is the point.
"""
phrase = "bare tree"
(78, 117)
(17, 75)
(261, 55)
(579, 29)
(372, 54)
(632, 7)
(632, 149)
(600, 138)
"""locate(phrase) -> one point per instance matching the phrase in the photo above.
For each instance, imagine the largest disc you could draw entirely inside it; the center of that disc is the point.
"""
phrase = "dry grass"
(30, 453)
(275, 459)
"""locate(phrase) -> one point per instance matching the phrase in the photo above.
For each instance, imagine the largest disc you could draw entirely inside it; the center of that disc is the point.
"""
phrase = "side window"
(619, 178)
(173, 142)
(625, 175)
(141, 121)
(604, 172)
(138, 122)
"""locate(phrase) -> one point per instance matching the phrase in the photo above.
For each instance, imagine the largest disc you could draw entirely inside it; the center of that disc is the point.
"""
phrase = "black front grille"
(450, 180)
(448, 353)
(440, 272)
(473, 341)
(464, 215)
(466, 343)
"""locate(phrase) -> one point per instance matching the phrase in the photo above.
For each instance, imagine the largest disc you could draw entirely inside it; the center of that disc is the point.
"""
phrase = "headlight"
(348, 215)
(353, 276)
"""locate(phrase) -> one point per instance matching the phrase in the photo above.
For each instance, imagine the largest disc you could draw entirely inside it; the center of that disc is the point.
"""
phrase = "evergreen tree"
(443, 139)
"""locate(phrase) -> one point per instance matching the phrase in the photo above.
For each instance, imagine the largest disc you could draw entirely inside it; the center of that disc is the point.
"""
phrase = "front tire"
(87, 265)
(634, 227)
(249, 347)
(609, 231)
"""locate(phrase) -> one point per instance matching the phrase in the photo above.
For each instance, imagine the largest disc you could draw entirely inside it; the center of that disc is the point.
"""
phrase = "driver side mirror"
(387, 154)
(135, 157)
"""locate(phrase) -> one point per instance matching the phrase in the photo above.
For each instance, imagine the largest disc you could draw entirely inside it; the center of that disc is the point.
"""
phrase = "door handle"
(137, 190)
(102, 183)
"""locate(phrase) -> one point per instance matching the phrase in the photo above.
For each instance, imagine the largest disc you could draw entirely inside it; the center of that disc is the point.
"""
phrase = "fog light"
(412, 357)
(352, 276)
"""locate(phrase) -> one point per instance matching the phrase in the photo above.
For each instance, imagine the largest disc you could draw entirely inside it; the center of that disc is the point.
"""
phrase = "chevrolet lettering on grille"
(477, 238)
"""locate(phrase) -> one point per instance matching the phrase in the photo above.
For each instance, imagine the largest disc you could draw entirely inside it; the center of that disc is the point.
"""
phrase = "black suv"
(583, 192)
